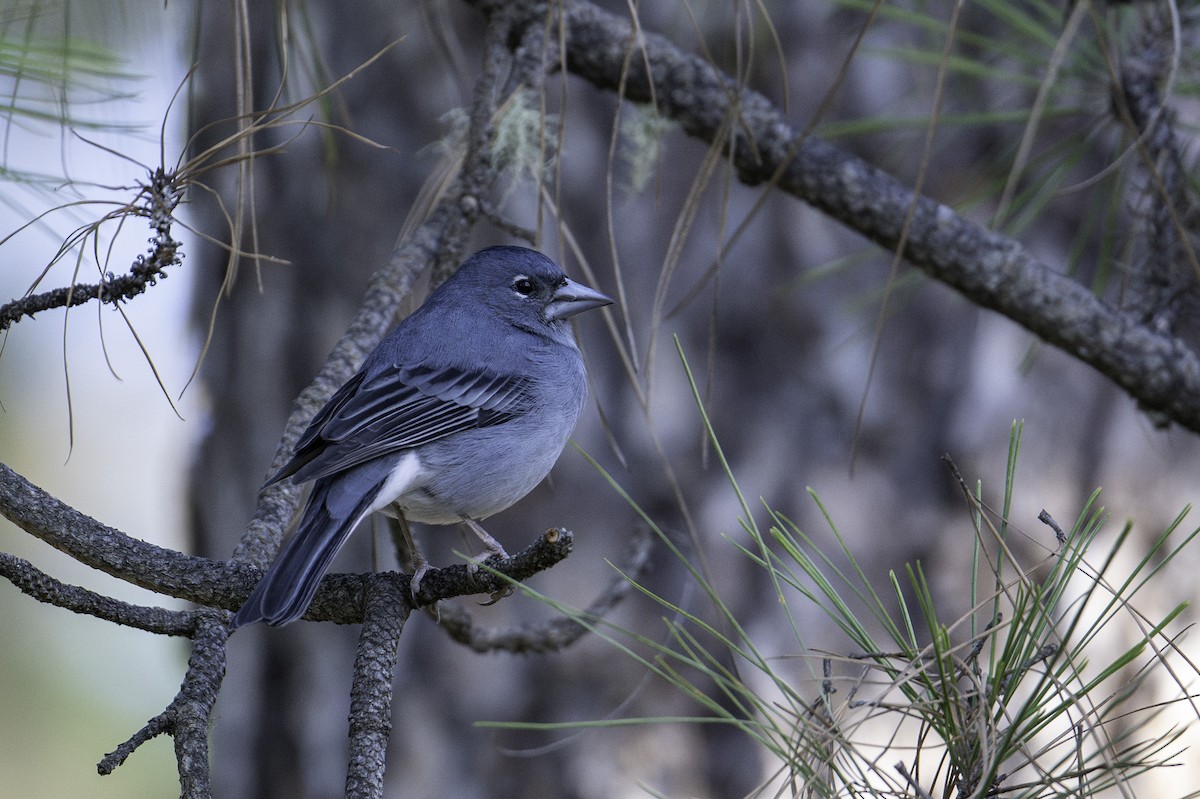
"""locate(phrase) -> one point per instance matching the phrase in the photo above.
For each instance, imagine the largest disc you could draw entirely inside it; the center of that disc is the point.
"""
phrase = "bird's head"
(526, 288)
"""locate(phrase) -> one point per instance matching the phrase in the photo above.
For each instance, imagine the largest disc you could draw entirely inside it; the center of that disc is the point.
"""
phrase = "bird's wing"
(398, 409)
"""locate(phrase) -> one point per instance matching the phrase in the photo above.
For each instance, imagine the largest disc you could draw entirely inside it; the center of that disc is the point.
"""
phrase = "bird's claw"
(414, 582)
(497, 595)
(473, 569)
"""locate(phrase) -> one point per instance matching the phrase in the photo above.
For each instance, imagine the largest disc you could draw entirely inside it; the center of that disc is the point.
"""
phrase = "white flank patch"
(402, 478)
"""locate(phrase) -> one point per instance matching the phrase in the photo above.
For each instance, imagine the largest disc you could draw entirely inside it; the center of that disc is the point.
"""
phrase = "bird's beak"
(571, 298)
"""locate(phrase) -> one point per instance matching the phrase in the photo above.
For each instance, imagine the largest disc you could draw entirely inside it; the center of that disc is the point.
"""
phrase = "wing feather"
(401, 408)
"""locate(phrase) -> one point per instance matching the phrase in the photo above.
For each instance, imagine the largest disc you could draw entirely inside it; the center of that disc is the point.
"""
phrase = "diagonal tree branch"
(35, 583)
(992, 270)
(377, 312)
(189, 715)
(111, 551)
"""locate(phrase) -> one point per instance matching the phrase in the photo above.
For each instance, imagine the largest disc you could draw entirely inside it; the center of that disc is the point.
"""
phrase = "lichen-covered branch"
(189, 716)
(35, 583)
(111, 551)
(387, 610)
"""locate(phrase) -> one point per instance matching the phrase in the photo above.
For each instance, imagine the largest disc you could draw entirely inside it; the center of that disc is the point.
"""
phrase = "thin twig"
(555, 634)
(159, 196)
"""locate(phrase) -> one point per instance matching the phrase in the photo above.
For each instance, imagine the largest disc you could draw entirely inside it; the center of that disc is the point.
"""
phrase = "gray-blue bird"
(458, 413)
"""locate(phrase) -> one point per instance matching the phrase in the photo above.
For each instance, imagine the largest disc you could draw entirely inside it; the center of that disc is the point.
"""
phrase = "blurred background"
(782, 338)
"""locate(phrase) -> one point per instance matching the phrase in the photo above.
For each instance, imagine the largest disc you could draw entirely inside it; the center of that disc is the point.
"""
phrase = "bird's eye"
(523, 286)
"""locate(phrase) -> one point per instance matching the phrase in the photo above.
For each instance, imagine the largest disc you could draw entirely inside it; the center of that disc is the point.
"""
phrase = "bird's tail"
(288, 587)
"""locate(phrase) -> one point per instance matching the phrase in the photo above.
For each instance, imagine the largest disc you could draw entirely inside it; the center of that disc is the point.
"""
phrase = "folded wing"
(399, 409)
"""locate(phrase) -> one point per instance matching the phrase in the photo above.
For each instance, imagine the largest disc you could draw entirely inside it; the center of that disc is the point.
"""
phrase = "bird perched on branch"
(458, 413)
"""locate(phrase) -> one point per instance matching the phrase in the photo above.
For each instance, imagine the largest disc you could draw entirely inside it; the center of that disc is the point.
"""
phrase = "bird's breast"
(480, 472)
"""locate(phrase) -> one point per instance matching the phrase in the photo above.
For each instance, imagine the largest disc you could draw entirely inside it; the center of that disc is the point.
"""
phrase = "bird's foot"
(494, 550)
(489, 543)
(414, 582)
(414, 555)
(497, 595)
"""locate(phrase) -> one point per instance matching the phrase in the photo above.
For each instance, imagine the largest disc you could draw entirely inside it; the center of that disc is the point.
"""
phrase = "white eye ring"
(523, 285)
